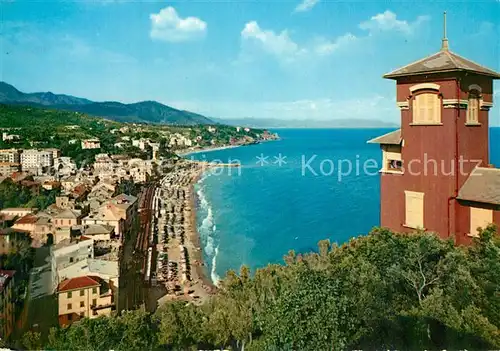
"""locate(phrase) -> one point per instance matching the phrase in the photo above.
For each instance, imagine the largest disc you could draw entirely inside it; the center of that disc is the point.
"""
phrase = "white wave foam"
(213, 275)
(207, 231)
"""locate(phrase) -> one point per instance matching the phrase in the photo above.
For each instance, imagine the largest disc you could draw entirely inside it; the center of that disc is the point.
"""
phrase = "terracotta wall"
(432, 153)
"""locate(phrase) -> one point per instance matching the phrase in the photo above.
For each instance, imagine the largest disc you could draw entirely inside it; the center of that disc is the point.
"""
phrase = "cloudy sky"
(270, 58)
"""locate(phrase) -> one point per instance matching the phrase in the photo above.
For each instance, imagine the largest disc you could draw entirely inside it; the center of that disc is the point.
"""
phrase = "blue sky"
(284, 59)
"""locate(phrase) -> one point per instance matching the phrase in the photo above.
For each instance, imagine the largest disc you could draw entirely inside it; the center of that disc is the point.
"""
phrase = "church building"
(436, 174)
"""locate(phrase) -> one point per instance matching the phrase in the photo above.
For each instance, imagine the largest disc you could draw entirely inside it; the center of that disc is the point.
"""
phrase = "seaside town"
(112, 234)
(103, 244)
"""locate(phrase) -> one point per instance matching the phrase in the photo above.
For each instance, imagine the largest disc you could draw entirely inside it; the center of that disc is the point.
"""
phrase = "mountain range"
(144, 111)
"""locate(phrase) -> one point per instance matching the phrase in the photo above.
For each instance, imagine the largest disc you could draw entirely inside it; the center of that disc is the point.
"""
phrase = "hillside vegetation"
(145, 111)
(48, 128)
(381, 291)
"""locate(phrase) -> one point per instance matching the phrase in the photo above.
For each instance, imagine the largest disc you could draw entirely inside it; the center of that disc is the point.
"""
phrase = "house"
(69, 183)
(7, 303)
(119, 212)
(39, 226)
(79, 192)
(91, 144)
(436, 174)
(106, 216)
(50, 185)
(67, 218)
(104, 269)
(85, 296)
(17, 211)
(99, 232)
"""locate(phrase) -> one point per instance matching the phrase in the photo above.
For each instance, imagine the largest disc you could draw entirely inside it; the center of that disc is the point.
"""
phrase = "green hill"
(143, 112)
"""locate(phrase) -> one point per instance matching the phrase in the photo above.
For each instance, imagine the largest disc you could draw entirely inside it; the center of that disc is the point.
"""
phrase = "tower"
(444, 101)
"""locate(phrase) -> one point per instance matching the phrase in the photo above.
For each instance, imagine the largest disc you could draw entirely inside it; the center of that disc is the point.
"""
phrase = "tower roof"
(391, 138)
(440, 62)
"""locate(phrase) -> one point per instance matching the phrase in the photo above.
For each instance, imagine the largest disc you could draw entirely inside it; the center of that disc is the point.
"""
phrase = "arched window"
(473, 107)
(426, 109)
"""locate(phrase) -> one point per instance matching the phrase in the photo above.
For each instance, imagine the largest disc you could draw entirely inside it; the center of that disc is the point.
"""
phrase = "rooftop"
(77, 283)
(68, 213)
(442, 62)
(28, 219)
(483, 185)
(96, 229)
(68, 242)
(123, 200)
(391, 138)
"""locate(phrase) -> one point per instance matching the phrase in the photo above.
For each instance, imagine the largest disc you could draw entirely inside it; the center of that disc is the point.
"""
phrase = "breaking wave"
(207, 231)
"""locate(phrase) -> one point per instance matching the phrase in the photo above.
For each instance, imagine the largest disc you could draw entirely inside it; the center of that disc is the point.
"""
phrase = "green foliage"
(131, 331)
(17, 195)
(32, 340)
(384, 291)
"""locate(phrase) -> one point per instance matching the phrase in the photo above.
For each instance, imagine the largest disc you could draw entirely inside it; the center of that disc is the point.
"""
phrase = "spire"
(444, 46)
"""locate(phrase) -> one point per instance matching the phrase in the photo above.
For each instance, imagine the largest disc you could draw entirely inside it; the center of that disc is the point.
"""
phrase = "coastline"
(208, 149)
(195, 238)
(183, 153)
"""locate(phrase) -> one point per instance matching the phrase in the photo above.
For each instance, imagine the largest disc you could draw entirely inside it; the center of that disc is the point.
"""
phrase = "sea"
(310, 185)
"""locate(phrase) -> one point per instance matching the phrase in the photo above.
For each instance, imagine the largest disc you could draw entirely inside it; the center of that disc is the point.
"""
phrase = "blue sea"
(313, 184)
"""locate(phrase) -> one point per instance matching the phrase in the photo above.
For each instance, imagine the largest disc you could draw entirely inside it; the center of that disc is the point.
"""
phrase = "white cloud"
(306, 5)
(279, 45)
(388, 21)
(166, 25)
(325, 47)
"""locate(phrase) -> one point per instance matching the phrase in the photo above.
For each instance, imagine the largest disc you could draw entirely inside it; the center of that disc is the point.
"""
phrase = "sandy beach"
(183, 271)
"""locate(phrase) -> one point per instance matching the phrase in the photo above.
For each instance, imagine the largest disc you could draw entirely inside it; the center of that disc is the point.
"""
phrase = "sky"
(287, 59)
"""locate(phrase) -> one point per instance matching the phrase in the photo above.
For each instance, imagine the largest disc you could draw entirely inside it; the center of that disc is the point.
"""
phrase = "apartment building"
(85, 296)
(37, 161)
(10, 155)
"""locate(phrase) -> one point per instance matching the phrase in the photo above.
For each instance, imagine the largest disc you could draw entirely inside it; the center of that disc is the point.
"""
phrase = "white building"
(66, 253)
(9, 137)
(33, 159)
(179, 140)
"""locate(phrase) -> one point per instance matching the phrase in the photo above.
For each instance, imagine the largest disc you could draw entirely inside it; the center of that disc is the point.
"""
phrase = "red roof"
(79, 190)
(28, 219)
(77, 283)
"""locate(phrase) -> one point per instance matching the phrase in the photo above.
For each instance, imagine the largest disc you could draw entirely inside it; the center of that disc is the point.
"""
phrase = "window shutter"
(414, 209)
(479, 217)
(426, 109)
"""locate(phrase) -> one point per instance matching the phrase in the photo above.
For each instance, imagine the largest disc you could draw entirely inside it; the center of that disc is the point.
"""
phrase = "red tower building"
(436, 174)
